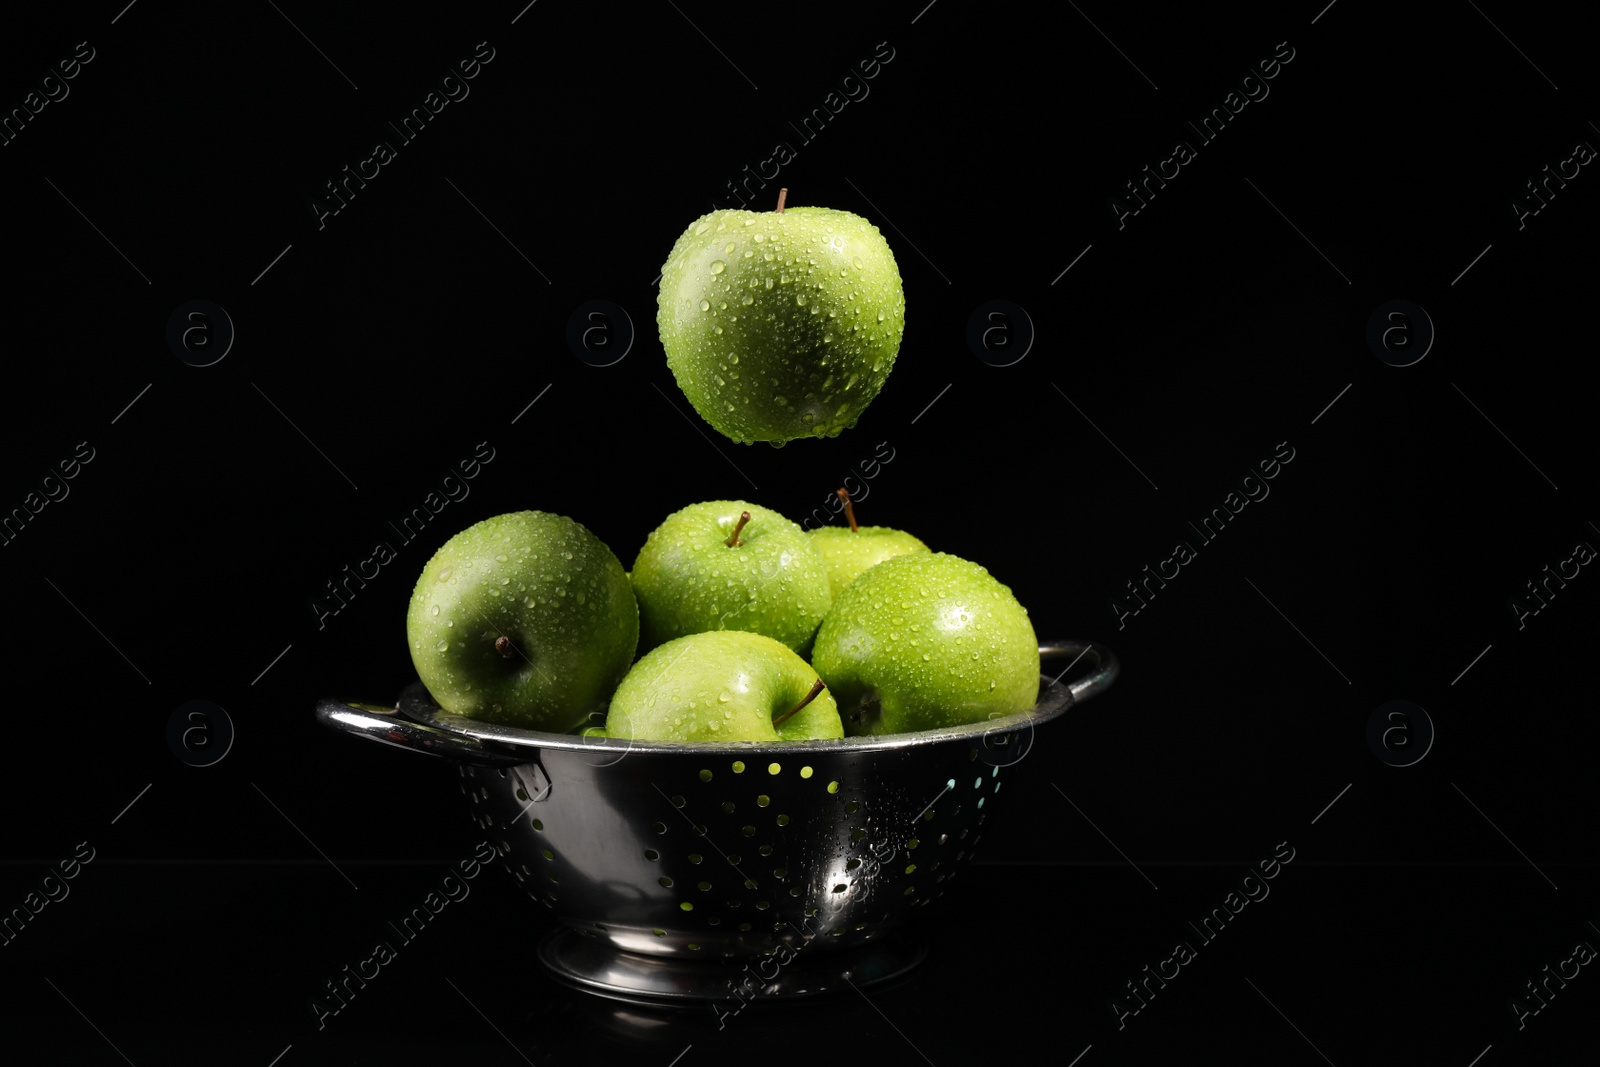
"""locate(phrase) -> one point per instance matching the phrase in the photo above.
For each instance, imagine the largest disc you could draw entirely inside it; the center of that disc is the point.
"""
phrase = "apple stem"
(502, 645)
(816, 688)
(849, 511)
(733, 538)
(782, 195)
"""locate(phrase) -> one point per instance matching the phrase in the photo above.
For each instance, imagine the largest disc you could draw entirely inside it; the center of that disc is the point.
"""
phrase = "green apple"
(729, 565)
(780, 324)
(523, 619)
(846, 553)
(726, 685)
(927, 640)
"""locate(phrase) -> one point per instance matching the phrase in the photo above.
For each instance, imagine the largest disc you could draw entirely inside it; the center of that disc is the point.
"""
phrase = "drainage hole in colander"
(695, 857)
(913, 843)
(774, 768)
(798, 890)
(651, 854)
(686, 906)
(678, 802)
(748, 831)
(738, 766)
(744, 927)
(665, 882)
(727, 807)
(851, 808)
(750, 883)
(763, 800)
(713, 921)
(780, 873)
(833, 787)
(704, 887)
(852, 865)
(805, 772)
(840, 888)
(547, 854)
(765, 850)
(733, 858)
(537, 825)
(693, 947)
(705, 776)
(659, 827)
(659, 933)
(763, 905)
(783, 820)
(981, 800)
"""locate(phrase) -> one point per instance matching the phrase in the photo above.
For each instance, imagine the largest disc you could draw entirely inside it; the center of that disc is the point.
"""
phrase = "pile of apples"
(528, 619)
(777, 326)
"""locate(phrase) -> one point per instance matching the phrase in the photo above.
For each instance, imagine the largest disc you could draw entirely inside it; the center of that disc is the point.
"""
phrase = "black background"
(1220, 321)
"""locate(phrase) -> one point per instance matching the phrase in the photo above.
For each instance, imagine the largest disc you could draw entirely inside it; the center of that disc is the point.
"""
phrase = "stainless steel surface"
(668, 856)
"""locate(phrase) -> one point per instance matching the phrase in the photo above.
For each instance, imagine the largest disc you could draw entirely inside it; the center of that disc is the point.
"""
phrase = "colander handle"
(1104, 666)
(391, 726)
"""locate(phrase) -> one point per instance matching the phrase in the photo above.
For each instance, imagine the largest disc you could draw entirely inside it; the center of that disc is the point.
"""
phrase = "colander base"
(595, 967)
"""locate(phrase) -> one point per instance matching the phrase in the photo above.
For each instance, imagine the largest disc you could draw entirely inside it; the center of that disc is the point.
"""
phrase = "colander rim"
(416, 704)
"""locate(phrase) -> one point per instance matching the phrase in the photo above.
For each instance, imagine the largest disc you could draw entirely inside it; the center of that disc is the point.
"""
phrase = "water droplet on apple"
(705, 305)
(800, 299)
(566, 555)
(435, 610)
(717, 266)
(442, 646)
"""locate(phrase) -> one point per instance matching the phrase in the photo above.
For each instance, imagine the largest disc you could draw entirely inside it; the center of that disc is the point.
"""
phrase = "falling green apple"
(781, 324)
(524, 619)
(729, 565)
(726, 686)
(926, 640)
(846, 553)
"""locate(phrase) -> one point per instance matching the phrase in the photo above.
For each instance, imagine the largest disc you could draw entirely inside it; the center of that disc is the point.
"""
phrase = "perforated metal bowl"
(792, 868)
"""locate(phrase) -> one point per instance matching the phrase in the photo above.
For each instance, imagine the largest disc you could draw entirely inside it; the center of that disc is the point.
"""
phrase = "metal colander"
(674, 866)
